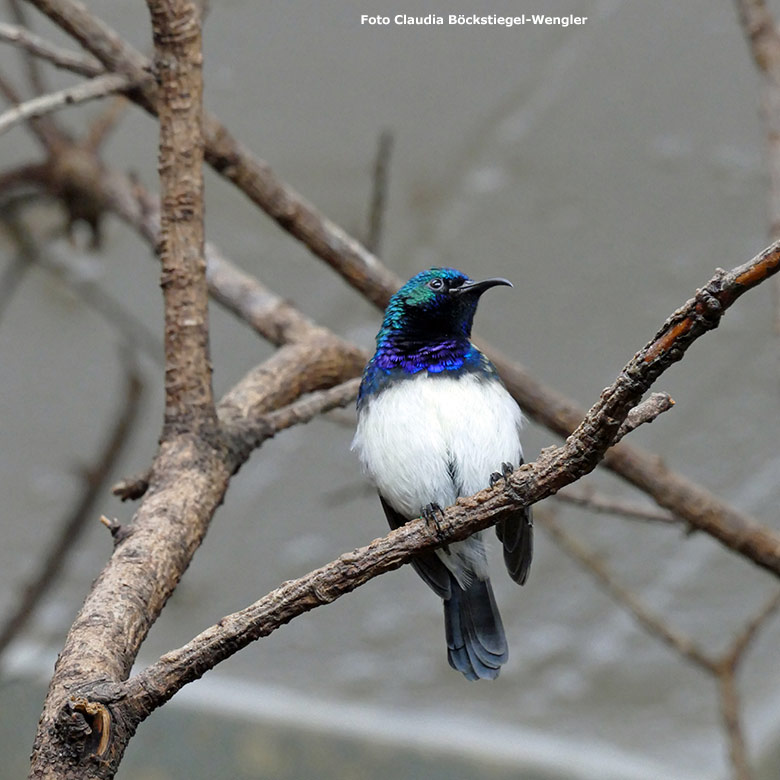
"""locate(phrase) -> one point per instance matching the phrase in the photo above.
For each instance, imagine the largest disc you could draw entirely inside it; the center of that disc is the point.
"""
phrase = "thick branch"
(189, 403)
(188, 483)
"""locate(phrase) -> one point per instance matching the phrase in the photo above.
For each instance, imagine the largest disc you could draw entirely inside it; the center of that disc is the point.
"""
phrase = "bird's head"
(436, 303)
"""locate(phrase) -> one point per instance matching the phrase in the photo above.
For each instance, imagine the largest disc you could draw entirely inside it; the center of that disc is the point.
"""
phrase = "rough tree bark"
(189, 448)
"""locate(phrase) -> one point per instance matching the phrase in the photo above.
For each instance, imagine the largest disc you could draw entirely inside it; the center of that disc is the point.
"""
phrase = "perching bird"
(435, 422)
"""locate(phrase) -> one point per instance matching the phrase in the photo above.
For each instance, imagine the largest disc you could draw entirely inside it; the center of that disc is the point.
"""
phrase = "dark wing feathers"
(517, 535)
(427, 564)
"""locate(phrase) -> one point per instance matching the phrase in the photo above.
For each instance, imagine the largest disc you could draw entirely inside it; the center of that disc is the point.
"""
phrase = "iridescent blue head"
(427, 326)
(439, 302)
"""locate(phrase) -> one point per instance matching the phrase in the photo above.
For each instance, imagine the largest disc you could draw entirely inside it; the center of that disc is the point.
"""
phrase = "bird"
(434, 422)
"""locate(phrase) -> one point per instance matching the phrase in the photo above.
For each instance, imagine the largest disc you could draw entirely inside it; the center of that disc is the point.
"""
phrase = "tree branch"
(646, 412)
(98, 87)
(34, 75)
(723, 667)
(589, 498)
(380, 183)
(189, 403)
(94, 484)
(763, 38)
(48, 136)
(82, 64)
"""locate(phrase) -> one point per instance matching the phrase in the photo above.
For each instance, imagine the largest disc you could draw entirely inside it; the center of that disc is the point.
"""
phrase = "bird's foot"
(506, 470)
(431, 513)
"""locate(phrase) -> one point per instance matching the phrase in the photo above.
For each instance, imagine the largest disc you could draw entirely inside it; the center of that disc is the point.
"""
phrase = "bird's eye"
(436, 284)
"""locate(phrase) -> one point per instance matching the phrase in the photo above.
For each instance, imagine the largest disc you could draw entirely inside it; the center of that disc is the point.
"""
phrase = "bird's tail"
(476, 643)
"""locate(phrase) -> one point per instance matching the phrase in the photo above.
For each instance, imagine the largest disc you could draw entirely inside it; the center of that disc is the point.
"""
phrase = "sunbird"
(435, 422)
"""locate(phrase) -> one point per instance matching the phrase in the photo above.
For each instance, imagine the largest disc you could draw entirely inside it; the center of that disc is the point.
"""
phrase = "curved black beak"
(477, 288)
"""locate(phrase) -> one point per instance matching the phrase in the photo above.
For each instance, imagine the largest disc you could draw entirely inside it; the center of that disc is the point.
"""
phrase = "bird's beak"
(477, 288)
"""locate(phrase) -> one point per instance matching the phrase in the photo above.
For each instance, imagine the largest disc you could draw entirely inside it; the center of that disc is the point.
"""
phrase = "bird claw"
(431, 514)
(506, 470)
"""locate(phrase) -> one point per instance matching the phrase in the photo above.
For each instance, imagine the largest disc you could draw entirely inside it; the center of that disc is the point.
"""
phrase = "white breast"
(430, 439)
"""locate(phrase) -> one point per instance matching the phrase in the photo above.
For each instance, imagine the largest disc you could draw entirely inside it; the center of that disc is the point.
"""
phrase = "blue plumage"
(434, 423)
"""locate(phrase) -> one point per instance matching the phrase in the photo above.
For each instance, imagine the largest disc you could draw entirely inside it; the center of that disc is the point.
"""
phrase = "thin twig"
(130, 328)
(763, 39)
(48, 136)
(723, 667)
(381, 181)
(101, 126)
(95, 482)
(34, 75)
(83, 64)
(743, 640)
(731, 715)
(727, 667)
(646, 412)
(299, 412)
(98, 87)
(652, 622)
(76, 62)
(591, 499)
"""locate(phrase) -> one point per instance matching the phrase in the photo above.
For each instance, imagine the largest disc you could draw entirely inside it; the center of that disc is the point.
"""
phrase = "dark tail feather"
(476, 643)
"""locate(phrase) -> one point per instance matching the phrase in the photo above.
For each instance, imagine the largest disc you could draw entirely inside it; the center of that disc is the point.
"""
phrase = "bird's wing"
(426, 564)
(516, 533)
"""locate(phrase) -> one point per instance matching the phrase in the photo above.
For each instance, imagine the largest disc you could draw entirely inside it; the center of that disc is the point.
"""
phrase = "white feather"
(427, 440)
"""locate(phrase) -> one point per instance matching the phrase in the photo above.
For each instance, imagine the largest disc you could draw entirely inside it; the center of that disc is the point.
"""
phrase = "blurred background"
(606, 169)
